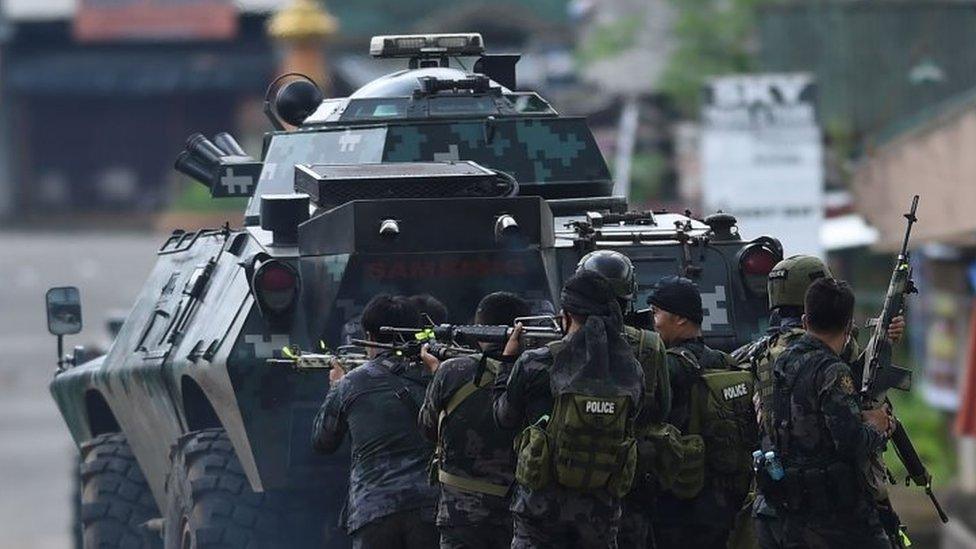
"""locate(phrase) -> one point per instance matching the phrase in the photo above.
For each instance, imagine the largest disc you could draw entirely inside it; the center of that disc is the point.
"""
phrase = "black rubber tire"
(115, 498)
(210, 504)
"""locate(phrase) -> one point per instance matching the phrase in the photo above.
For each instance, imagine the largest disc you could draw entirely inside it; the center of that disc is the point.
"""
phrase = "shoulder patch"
(846, 384)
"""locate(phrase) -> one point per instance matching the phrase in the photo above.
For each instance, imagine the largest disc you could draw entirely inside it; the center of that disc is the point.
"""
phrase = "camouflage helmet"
(616, 267)
(790, 278)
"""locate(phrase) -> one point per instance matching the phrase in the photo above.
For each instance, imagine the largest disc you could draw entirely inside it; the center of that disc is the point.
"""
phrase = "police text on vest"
(735, 391)
(599, 407)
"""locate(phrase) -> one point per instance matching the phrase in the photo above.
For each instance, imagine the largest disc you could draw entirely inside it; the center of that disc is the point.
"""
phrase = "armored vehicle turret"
(433, 179)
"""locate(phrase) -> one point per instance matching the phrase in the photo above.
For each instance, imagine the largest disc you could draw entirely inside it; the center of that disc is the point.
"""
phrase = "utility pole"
(626, 142)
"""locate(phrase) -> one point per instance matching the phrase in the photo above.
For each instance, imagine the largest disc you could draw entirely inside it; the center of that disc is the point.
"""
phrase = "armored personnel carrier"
(433, 179)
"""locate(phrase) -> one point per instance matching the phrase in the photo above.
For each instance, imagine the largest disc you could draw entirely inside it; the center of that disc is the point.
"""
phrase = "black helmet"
(616, 267)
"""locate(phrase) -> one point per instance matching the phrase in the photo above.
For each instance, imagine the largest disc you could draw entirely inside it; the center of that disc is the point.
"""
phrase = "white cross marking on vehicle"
(451, 154)
(264, 348)
(714, 314)
(236, 183)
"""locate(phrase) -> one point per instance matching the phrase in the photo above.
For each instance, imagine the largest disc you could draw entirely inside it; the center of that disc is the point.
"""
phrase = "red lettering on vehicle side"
(445, 268)
(425, 269)
(375, 269)
(515, 267)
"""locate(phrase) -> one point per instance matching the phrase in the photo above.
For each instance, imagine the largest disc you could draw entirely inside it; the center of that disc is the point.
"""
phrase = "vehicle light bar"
(422, 45)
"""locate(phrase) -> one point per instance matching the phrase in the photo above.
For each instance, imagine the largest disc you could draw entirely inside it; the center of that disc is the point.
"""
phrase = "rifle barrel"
(912, 218)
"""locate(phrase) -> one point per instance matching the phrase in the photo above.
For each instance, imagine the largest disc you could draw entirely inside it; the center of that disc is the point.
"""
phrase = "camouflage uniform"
(389, 495)
(819, 428)
(706, 520)
(471, 447)
(760, 356)
(638, 506)
(553, 516)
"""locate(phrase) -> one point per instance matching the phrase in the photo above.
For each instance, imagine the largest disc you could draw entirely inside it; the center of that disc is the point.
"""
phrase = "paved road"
(36, 453)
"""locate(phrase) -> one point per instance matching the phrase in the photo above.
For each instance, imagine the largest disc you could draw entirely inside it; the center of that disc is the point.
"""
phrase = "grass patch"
(929, 431)
(194, 197)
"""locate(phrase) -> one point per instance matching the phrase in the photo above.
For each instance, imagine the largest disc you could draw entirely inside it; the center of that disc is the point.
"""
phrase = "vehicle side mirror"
(63, 310)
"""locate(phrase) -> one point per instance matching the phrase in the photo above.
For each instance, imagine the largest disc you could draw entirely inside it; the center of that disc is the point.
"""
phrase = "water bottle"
(757, 457)
(774, 467)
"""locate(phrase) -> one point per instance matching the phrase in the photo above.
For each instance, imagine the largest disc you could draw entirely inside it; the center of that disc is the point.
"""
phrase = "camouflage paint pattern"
(549, 151)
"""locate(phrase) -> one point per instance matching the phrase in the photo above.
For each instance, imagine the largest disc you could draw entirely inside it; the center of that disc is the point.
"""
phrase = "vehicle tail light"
(275, 286)
(755, 262)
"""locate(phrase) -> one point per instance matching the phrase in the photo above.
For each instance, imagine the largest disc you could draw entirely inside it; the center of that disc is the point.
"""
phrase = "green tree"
(713, 37)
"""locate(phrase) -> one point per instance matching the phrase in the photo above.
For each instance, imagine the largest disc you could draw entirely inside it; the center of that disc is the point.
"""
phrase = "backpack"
(649, 351)
(722, 413)
(587, 442)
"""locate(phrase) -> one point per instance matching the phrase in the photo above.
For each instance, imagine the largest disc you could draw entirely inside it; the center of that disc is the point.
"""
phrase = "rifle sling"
(401, 392)
(467, 484)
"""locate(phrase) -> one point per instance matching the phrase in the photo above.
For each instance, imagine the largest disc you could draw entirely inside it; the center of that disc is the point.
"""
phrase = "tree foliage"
(713, 37)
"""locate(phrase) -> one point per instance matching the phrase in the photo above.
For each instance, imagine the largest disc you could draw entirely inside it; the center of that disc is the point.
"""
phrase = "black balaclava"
(595, 360)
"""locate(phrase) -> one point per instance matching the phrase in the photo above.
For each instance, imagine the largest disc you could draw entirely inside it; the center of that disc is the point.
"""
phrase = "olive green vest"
(722, 413)
(587, 443)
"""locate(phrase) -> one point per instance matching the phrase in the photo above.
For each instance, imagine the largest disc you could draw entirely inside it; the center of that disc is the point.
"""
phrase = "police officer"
(635, 521)
(391, 503)
(821, 437)
(474, 456)
(562, 396)
(787, 286)
(706, 519)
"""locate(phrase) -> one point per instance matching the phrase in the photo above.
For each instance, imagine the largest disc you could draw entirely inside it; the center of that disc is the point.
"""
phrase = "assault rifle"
(346, 357)
(879, 374)
(535, 329)
(411, 349)
(352, 356)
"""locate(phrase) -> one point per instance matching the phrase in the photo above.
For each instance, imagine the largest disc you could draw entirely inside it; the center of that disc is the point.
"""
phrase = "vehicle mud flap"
(533, 467)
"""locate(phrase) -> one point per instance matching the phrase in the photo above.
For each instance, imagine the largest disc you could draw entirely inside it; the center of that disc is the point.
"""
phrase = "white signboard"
(762, 157)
